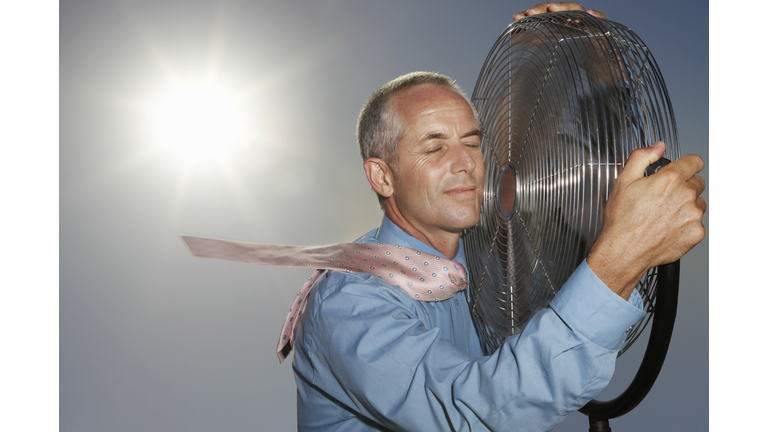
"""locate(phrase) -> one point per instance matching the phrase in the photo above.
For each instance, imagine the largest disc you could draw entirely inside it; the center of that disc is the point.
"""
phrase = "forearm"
(575, 342)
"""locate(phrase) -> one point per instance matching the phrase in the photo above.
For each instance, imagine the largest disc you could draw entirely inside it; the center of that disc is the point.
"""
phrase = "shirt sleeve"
(369, 350)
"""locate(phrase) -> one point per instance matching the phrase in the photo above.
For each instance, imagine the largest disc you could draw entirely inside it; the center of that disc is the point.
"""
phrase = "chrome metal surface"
(563, 99)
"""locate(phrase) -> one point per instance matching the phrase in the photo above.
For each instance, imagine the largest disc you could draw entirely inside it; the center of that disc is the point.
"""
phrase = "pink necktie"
(425, 277)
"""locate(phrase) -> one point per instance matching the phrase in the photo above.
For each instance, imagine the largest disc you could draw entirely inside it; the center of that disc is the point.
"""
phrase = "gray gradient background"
(154, 340)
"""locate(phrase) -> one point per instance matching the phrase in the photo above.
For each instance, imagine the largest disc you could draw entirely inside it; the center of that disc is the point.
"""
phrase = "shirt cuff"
(588, 306)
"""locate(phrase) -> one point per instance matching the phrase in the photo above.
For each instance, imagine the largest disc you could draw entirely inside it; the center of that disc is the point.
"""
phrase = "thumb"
(640, 159)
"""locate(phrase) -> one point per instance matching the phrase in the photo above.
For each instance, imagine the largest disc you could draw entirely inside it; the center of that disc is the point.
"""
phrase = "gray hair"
(380, 128)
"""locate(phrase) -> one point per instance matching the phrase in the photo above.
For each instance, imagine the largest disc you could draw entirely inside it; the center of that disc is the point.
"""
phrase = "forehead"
(429, 100)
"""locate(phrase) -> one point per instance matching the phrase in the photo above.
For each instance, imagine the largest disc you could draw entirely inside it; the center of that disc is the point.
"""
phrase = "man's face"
(439, 168)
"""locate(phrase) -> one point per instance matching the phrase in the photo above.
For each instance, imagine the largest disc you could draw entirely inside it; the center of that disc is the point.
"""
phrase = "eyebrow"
(440, 135)
(474, 132)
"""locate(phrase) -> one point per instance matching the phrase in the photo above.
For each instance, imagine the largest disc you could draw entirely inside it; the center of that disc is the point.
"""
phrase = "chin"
(462, 222)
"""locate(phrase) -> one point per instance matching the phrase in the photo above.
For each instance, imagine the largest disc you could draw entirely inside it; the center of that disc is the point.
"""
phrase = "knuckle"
(671, 176)
(699, 233)
(641, 151)
(701, 183)
(691, 224)
(695, 215)
(702, 203)
(690, 195)
(636, 154)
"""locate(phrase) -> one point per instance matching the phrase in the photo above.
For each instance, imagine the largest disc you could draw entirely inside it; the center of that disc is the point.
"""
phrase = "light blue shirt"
(370, 358)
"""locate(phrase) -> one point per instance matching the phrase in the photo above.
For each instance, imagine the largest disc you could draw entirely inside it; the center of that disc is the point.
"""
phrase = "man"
(369, 357)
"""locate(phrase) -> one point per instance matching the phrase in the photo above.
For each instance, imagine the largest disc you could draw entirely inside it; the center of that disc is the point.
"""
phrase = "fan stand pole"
(661, 333)
(597, 425)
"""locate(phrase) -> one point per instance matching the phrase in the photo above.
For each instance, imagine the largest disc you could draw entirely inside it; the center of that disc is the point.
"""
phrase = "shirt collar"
(390, 233)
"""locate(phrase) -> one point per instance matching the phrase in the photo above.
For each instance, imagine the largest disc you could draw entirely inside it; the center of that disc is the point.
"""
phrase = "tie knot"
(460, 279)
(424, 276)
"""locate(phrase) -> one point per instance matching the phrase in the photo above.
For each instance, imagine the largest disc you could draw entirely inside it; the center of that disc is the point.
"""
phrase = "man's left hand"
(557, 7)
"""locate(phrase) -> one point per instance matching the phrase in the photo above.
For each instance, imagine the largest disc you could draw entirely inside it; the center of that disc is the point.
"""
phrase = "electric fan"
(563, 99)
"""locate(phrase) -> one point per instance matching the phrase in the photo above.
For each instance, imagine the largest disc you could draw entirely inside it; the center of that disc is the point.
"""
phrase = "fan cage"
(563, 100)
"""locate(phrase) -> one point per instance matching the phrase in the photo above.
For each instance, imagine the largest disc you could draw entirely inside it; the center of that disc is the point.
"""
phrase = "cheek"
(480, 165)
(426, 177)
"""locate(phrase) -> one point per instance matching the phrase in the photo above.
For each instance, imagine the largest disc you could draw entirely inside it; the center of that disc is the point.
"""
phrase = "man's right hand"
(649, 221)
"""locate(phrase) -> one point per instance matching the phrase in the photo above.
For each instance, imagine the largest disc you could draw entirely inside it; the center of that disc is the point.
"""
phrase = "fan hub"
(507, 190)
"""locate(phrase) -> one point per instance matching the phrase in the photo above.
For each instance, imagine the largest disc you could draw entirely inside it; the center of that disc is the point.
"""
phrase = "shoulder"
(347, 310)
(343, 305)
(340, 289)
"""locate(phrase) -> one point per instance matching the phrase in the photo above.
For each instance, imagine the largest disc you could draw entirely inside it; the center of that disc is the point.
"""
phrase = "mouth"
(462, 191)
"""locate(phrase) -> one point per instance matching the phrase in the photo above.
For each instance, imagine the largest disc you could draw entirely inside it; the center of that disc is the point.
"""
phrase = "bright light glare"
(199, 121)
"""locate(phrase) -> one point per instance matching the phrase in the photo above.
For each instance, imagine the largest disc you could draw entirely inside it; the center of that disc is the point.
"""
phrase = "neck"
(445, 242)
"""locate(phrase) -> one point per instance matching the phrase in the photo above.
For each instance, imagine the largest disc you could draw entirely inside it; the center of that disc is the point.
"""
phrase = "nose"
(463, 159)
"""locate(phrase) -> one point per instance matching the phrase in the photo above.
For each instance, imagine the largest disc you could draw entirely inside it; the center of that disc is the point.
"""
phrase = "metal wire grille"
(563, 100)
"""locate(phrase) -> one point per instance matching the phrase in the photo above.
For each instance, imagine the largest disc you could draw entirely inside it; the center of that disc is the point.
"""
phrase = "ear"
(379, 175)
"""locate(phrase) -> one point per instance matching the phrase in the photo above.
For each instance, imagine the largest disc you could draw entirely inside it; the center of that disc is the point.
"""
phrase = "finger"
(688, 166)
(548, 7)
(596, 13)
(702, 204)
(696, 230)
(698, 184)
(639, 160)
(564, 6)
(537, 9)
(555, 7)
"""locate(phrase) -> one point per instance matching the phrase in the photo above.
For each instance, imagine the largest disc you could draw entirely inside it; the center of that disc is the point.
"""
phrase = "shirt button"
(456, 301)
